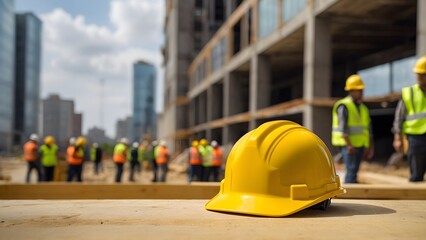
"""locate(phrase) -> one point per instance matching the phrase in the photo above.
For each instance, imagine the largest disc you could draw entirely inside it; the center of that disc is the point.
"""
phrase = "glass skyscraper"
(27, 77)
(7, 66)
(144, 116)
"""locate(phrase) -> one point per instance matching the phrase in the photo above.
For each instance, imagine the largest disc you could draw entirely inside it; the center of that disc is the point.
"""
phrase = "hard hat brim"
(355, 88)
(419, 71)
(263, 205)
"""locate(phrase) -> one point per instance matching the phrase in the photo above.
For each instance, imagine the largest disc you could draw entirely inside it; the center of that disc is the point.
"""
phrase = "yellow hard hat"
(276, 170)
(203, 142)
(354, 82)
(195, 143)
(49, 140)
(81, 141)
(420, 67)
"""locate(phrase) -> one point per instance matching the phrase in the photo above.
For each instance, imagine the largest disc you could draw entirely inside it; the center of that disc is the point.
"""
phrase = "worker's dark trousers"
(119, 172)
(48, 173)
(133, 166)
(97, 167)
(207, 171)
(74, 170)
(215, 172)
(195, 173)
(162, 172)
(34, 165)
(154, 170)
(417, 156)
(352, 163)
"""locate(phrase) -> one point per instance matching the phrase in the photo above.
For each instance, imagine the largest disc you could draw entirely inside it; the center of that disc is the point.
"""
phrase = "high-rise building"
(7, 71)
(27, 76)
(77, 124)
(124, 128)
(98, 135)
(189, 24)
(144, 115)
(59, 119)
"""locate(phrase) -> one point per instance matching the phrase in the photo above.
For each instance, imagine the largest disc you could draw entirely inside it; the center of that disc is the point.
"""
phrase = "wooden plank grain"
(194, 191)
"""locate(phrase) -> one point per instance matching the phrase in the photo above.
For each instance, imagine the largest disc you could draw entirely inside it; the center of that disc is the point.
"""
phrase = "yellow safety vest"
(358, 124)
(48, 157)
(415, 104)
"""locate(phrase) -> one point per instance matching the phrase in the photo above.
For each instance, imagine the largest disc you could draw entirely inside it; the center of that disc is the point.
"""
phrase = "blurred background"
(182, 70)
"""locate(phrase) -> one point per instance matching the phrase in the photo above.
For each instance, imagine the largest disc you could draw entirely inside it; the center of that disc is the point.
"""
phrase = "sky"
(86, 42)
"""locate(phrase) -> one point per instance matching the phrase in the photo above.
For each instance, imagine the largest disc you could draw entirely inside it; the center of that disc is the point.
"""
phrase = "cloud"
(77, 55)
(138, 22)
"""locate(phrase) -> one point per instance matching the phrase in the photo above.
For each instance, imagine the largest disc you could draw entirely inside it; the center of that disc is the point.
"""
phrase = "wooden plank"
(193, 191)
(385, 191)
(188, 219)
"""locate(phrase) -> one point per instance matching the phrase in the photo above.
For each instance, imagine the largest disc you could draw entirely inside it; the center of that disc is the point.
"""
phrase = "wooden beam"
(192, 191)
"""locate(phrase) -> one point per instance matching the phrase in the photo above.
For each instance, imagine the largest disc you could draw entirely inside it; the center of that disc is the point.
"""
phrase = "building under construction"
(286, 59)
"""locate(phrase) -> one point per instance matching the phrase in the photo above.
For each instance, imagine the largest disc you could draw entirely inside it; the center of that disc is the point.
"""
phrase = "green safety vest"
(358, 124)
(207, 155)
(93, 154)
(415, 104)
(48, 158)
(141, 155)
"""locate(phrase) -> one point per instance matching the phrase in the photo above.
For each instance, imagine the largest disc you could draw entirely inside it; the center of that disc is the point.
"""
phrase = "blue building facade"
(144, 115)
(7, 66)
(27, 76)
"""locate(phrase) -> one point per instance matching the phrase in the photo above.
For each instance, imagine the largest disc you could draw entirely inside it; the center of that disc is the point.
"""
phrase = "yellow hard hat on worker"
(49, 140)
(354, 82)
(203, 142)
(420, 67)
(276, 170)
(80, 142)
(194, 143)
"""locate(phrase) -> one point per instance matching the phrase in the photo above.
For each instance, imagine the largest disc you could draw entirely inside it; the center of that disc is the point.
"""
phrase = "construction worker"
(120, 156)
(48, 155)
(410, 119)
(162, 160)
(217, 160)
(76, 159)
(133, 157)
(195, 167)
(32, 158)
(96, 156)
(206, 152)
(352, 128)
(152, 154)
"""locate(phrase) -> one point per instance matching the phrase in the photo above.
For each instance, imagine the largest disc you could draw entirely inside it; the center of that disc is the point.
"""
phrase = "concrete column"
(253, 90)
(226, 94)
(260, 85)
(421, 28)
(226, 103)
(317, 75)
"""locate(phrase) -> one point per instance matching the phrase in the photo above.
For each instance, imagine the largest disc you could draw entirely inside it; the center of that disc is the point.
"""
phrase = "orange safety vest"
(194, 156)
(30, 151)
(217, 157)
(74, 158)
(120, 158)
(163, 155)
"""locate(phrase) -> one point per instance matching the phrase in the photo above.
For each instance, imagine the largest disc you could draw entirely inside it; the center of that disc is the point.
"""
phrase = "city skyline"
(84, 43)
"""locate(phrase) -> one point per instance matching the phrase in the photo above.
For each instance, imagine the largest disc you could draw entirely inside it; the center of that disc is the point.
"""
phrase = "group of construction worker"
(156, 153)
(205, 161)
(44, 158)
(351, 127)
